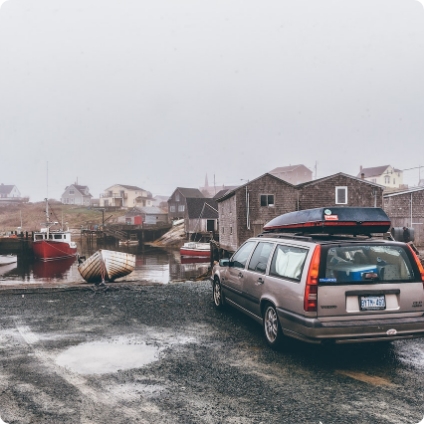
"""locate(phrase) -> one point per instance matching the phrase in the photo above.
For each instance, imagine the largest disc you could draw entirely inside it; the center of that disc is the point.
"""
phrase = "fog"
(159, 94)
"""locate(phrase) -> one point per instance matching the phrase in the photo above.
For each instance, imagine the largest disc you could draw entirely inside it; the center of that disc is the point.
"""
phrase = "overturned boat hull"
(107, 265)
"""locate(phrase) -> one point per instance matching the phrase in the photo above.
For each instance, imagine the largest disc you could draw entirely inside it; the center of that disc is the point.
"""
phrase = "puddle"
(107, 357)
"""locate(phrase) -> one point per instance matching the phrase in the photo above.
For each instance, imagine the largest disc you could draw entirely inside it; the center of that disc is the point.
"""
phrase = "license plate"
(372, 303)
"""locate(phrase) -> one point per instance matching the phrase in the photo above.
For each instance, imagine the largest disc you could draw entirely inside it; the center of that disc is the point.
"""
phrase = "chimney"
(360, 169)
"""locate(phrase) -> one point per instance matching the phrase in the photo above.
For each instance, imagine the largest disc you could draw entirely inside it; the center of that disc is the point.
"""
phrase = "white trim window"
(341, 195)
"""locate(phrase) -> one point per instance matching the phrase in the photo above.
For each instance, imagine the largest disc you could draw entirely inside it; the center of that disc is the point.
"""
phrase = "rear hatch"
(369, 280)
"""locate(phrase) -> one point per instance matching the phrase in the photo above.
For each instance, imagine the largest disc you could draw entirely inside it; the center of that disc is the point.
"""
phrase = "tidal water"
(153, 265)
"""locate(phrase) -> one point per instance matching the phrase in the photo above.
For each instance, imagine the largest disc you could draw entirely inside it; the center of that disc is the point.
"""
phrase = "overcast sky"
(159, 93)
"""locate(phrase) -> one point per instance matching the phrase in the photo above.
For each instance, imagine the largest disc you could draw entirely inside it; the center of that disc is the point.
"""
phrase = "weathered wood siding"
(234, 228)
(398, 208)
(323, 193)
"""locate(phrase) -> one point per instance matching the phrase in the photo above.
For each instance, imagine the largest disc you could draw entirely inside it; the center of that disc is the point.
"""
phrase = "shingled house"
(339, 190)
(177, 203)
(244, 210)
(406, 208)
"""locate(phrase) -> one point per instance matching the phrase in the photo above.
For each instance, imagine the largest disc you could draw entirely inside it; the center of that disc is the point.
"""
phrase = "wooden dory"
(106, 265)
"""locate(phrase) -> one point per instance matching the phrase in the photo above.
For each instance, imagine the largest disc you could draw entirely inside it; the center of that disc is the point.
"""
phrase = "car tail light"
(418, 262)
(311, 289)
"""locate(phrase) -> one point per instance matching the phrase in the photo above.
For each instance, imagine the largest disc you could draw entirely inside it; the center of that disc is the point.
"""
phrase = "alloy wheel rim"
(271, 324)
(217, 294)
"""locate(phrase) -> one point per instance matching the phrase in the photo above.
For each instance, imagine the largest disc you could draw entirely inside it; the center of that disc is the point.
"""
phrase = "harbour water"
(153, 265)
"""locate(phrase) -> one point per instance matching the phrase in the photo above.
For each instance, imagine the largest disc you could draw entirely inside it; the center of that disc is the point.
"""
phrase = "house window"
(267, 200)
(172, 208)
(71, 192)
(223, 230)
(387, 179)
(231, 230)
(341, 195)
(394, 181)
(177, 197)
(181, 208)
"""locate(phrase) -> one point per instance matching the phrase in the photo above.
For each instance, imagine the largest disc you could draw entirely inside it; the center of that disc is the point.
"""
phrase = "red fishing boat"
(50, 244)
(196, 250)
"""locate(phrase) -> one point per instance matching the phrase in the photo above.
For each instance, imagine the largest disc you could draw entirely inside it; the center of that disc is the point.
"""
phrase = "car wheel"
(272, 328)
(218, 299)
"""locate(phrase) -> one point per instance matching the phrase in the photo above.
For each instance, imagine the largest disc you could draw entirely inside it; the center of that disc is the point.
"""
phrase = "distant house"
(405, 208)
(293, 174)
(201, 219)
(339, 190)
(76, 195)
(160, 201)
(145, 216)
(126, 196)
(177, 203)
(9, 194)
(244, 210)
(385, 175)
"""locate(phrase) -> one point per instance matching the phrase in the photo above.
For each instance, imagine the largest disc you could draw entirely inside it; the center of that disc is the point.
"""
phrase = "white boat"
(127, 243)
(8, 259)
(106, 265)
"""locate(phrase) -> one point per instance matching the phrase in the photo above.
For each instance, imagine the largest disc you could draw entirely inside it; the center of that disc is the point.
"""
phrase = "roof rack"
(322, 237)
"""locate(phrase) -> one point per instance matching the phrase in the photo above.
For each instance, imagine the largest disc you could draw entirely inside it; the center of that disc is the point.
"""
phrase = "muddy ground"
(163, 354)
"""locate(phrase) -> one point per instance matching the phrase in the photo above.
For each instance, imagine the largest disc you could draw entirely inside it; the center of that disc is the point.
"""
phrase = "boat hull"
(50, 250)
(196, 250)
(8, 259)
(107, 265)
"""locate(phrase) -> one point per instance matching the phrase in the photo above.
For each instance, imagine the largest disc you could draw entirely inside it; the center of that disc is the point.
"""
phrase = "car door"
(254, 279)
(232, 282)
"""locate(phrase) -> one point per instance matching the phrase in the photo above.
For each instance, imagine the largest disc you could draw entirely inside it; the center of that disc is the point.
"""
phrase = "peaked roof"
(230, 193)
(6, 189)
(82, 189)
(335, 175)
(202, 208)
(190, 192)
(375, 171)
(289, 168)
(407, 191)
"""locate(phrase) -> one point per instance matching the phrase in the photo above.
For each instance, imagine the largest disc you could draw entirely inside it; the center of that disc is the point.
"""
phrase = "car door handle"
(260, 281)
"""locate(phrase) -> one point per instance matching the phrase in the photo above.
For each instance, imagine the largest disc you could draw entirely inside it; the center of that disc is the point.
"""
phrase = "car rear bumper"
(350, 331)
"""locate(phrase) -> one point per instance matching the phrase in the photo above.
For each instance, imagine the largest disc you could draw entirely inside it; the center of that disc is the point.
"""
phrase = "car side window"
(242, 255)
(288, 262)
(260, 257)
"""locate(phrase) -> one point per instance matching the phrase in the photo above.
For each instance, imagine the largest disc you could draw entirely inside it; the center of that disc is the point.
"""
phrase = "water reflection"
(153, 265)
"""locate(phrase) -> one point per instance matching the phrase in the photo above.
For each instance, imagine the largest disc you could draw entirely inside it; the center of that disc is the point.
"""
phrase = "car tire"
(218, 299)
(271, 325)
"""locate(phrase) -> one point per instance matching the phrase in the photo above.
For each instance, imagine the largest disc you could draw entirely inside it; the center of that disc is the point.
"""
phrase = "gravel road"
(163, 354)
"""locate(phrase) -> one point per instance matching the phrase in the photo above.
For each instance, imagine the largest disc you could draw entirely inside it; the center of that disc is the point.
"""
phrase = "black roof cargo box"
(332, 220)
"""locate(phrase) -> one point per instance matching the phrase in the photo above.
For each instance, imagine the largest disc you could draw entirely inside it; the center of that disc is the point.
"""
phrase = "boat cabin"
(45, 235)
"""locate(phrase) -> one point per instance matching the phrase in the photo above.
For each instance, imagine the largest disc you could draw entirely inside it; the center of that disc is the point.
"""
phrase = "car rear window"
(366, 263)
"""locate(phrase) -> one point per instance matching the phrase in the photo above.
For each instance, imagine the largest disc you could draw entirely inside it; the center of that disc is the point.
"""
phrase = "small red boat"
(49, 245)
(196, 250)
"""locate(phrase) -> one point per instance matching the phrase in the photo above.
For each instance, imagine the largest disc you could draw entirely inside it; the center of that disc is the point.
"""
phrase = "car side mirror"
(224, 262)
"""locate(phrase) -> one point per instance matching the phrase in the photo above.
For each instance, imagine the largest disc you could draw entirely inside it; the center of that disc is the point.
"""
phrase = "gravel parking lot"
(163, 354)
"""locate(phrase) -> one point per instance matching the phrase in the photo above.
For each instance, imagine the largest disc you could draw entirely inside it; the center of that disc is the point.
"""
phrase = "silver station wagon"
(303, 279)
